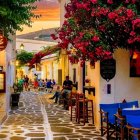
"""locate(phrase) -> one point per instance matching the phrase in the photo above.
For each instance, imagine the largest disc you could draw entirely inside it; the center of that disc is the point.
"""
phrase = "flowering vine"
(38, 56)
(95, 28)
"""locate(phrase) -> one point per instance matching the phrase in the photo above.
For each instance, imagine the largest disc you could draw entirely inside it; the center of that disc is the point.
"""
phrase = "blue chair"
(129, 104)
(107, 112)
(133, 125)
(120, 118)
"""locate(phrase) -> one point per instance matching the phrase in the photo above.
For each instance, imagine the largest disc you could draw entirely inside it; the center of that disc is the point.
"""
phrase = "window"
(135, 64)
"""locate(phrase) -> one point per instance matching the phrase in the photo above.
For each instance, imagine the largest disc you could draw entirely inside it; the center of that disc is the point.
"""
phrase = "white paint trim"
(47, 128)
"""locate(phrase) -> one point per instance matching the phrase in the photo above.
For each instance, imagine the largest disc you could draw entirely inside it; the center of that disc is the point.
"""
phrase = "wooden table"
(89, 89)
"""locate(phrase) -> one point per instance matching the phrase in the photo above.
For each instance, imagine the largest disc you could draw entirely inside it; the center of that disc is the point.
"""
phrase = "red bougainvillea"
(47, 51)
(95, 28)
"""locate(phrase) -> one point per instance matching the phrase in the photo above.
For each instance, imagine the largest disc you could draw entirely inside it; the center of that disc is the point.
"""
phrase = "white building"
(122, 86)
(31, 46)
(7, 61)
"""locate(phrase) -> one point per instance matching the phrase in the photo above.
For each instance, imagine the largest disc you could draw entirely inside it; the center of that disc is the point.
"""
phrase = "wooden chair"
(72, 105)
(133, 133)
(133, 126)
(120, 129)
(107, 118)
(84, 111)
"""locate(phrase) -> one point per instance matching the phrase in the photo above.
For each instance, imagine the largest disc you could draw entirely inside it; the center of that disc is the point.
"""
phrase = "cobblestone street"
(30, 121)
(26, 122)
(61, 126)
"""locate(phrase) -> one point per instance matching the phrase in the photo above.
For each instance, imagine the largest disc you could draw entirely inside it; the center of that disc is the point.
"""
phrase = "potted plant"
(17, 89)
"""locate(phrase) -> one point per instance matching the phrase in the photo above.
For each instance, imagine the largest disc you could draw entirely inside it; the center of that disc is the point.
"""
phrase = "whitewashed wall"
(122, 85)
(125, 86)
(33, 46)
(10, 68)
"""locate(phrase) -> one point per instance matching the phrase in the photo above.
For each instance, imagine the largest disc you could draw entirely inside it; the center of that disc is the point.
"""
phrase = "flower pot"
(15, 99)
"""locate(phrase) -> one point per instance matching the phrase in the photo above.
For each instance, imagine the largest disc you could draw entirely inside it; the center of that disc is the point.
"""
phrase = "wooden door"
(59, 76)
(2, 82)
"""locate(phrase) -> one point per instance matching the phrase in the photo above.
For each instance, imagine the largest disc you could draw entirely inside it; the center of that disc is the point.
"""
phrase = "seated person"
(53, 82)
(49, 85)
(67, 88)
(39, 83)
(43, 83)
(56, 95)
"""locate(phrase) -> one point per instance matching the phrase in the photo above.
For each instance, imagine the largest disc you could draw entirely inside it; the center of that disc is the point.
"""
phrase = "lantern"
(3, 42)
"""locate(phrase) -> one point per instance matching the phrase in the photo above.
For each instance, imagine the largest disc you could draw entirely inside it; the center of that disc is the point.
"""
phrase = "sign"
(108, 69)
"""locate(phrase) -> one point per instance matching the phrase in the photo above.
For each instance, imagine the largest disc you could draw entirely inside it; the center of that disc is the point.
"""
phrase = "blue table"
(134, 121)
(131, 111)
(132, 118)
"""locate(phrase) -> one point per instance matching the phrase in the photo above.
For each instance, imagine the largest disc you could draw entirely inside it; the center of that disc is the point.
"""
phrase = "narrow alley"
(38, 118)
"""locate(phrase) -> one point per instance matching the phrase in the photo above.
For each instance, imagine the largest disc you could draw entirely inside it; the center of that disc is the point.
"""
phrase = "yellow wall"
(3, 59)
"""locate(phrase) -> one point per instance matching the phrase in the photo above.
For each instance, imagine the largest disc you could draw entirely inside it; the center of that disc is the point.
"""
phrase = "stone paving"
(25, 122)
(61, 126)
(38, 118)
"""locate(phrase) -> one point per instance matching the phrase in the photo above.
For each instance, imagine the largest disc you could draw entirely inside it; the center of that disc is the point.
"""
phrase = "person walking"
(26, 82)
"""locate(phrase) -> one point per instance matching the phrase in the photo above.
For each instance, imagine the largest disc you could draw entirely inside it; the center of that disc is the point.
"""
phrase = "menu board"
(108, 69)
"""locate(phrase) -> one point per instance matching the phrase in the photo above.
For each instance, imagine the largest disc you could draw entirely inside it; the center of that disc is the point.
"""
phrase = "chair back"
(111, 109)
(129, 104)
(106, 107)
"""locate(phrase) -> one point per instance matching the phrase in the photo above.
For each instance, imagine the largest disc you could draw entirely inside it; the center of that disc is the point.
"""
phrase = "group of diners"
(48, 83)
(121, 120)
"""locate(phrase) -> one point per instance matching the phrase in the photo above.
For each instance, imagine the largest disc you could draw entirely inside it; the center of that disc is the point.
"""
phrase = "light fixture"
(22, 46)
(135, 55)
(17, 62)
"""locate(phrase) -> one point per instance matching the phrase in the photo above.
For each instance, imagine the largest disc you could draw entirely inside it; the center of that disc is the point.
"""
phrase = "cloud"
(49, 9)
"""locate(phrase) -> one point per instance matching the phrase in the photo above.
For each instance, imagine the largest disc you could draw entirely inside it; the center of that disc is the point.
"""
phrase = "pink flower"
(110, 1)
(129, 13)
(95, 38)
(102, 28)
(132, 33)
(130, 41)
(133, 1)
(81, 34)
(93, 12)
(127, 1)
(65, 22)
(137, 39)
(112, 15)
(87, 80)
(94, 1)
(67, 15)
(54, 37)
(136, 23)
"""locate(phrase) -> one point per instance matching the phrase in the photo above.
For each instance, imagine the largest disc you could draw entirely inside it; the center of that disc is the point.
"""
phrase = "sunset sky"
(49, 9)
(50, 16)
